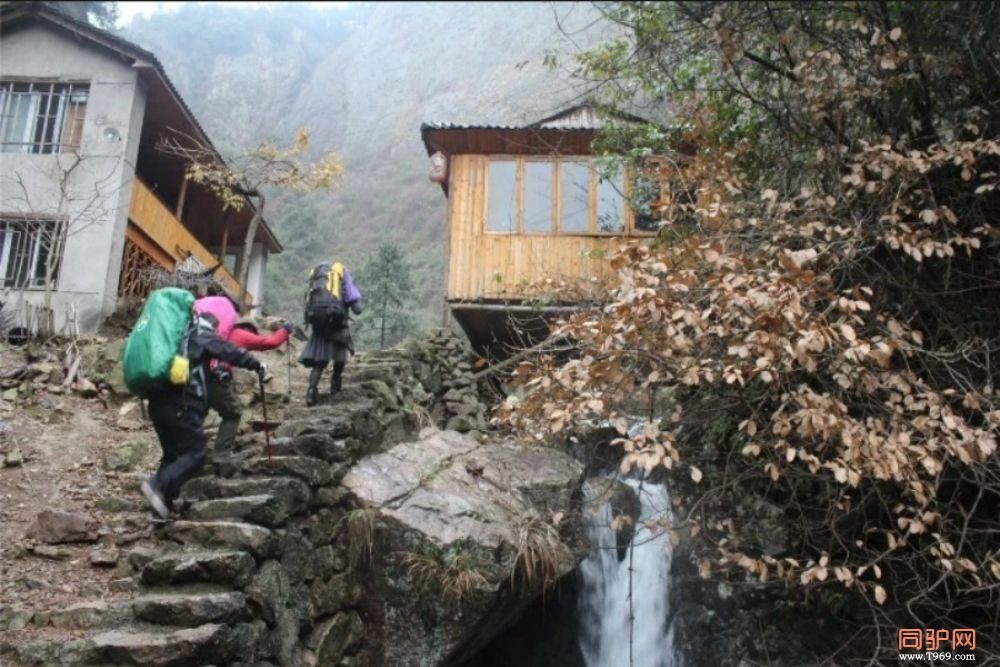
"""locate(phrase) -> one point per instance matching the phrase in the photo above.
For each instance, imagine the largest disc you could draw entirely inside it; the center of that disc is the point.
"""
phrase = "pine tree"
(387, 285)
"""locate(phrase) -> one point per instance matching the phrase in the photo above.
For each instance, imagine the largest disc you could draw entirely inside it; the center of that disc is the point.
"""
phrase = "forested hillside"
(362, 79)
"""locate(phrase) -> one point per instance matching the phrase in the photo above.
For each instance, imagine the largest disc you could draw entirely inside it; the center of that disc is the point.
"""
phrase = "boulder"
(13, 459)
(456, 514)
(53, 553)
(461, 423)
(52, 527)
(14, 619)
(125, 457)
(85, 388)
(104, 557)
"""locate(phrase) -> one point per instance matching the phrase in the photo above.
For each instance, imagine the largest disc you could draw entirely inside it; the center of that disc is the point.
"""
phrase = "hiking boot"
(336, 385)
(155, 499)
(312, 395)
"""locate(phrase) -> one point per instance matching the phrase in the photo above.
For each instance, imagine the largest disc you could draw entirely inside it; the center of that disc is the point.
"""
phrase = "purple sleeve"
(351, 292)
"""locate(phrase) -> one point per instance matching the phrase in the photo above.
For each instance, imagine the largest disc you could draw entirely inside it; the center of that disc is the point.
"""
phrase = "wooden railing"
(153, 217)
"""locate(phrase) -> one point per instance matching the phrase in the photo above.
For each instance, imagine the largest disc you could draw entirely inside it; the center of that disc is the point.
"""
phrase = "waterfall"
(604, 591)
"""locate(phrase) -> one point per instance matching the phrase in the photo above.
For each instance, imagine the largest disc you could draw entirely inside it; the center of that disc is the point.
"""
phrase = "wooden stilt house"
(527, 204)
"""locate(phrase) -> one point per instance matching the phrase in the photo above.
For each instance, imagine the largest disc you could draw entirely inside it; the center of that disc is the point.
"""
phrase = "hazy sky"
(130, 10)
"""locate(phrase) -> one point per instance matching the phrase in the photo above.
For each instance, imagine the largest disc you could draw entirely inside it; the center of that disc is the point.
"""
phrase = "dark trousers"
(178, 426)
(336, 380)
(223, 399)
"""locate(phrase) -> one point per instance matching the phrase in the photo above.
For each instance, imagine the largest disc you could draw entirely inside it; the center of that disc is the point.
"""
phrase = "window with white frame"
(41, 117)
(25, 248)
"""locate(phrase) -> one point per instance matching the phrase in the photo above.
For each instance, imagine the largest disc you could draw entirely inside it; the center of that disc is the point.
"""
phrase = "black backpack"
(325, 311)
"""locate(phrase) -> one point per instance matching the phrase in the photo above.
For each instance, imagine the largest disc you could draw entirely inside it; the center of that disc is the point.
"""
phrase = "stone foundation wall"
(266, 565)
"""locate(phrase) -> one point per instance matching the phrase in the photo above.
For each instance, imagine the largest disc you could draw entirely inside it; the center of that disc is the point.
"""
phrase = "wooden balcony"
(172, 238)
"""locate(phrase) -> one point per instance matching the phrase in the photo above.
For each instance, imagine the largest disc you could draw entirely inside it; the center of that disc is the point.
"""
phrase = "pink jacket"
(223, 310)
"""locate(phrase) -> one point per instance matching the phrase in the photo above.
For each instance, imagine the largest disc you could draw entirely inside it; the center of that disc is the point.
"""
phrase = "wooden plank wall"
(497, 265)
(157, 222)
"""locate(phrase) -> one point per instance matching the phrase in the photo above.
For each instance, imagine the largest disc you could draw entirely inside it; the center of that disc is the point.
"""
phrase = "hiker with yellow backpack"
(330, 296)
(166, 360)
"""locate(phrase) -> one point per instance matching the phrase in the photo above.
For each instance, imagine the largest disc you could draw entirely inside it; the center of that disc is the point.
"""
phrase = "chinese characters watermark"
(932, 642)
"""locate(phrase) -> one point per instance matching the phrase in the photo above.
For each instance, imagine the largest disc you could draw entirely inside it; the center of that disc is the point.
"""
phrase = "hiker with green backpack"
(166, 360)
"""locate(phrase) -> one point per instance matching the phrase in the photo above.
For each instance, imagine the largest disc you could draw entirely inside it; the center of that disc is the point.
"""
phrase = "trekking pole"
(267, 430)
(288, 362)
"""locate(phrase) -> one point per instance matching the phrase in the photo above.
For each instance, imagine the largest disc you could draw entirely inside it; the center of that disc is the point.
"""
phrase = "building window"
(575, 197)
(646, 202)
(558, 196)
(611, 203)
(538, 186)
(230, 261)
(25, 248)
(41, 117)
(502, 214)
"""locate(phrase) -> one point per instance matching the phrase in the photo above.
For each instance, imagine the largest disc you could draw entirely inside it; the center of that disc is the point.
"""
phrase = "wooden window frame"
(635, 231)
(522, 168)
(595, 201)
(518, 195)
(556, 229)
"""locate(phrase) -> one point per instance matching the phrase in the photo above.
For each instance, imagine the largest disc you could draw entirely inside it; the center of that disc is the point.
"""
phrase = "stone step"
(40, 652)
(333, 419)
(226, 567)
(257, 540)
(314, 445)
(263, 509)
(139, 644)
(312, 471)
(99, 614)
(211, 643)
(388, 370)
(191, 610)
(293, 492)
(349, 392)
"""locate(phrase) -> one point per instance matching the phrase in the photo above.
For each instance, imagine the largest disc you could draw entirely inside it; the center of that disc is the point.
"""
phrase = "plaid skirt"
(323, 348)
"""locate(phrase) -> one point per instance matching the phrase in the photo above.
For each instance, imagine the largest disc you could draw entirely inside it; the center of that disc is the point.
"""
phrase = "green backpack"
(153, 354)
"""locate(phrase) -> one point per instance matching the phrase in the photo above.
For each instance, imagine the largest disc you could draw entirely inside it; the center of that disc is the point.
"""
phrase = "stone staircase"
(255, 569)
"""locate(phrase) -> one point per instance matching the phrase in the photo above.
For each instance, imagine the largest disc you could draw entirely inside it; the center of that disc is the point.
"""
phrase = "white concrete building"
(86, 201)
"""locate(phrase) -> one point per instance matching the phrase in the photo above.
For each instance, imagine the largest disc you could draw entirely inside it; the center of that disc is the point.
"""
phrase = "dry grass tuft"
(539, 552)
(361, 537)
(458, 578)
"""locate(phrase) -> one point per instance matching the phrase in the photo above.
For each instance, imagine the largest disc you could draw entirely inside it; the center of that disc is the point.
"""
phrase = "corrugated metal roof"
(577, 118)
(582, 117)
(460, 126)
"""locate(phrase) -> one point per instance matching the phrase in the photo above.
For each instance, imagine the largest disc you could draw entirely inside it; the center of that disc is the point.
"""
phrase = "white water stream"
(609, 596)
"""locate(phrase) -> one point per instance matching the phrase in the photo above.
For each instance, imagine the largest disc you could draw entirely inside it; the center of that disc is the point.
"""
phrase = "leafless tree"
(52, 220)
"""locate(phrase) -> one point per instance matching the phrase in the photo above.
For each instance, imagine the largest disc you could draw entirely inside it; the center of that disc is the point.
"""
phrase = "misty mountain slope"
(363, 79)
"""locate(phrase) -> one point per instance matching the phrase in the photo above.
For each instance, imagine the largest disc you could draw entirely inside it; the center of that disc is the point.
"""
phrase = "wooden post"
(179, 211)
(225, 240)
(446, 315)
